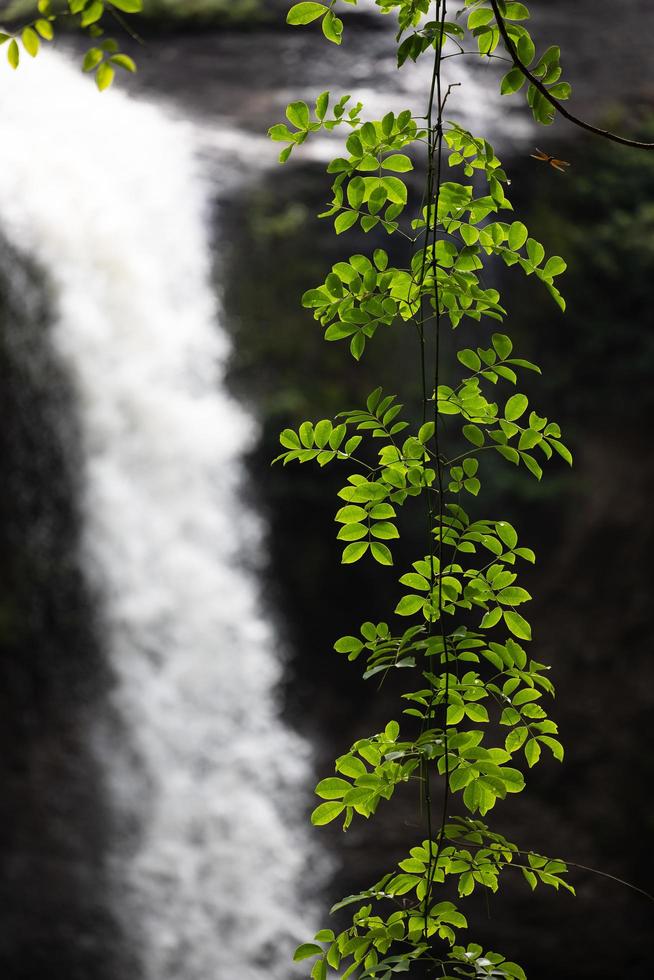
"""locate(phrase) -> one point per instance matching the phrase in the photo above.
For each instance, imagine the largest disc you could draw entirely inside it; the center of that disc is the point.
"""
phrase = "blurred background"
(168, 602)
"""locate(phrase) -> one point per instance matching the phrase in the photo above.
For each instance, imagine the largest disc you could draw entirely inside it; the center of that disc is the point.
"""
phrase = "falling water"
(106, 194)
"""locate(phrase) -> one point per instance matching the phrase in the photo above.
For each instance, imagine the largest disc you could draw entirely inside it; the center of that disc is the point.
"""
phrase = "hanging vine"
(459, 631)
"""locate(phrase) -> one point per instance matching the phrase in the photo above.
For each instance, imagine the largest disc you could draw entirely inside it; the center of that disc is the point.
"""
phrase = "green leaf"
(502, 344)
(31, 41)
(518, 625)
(479, 18)
(507, 534)
(515, 739)
(491, 618)
(381, 553)
(351, 514)
(466, 884)
(415, 581)
(518, 235)
(516, 11)
(512, 969)
(535, 251)
(562, 450)
(319, 970)
(297, 113)
(128, 6)
(345, 220)
(509, 453)
(333, 788)
(325, 813)
(409, 605)
(380, 259)
(530, 878)
(123, 61)
(469, 359)
(476, 712)
(380, 512)
(532, 752)
(554, 745)
(322, 432)
(348, 644)
(469, 234)
(398, 163)
(473, 434)
(426, 432)
(531, 465)
(455, 713)
(354, 552)
(13, 54)
(554, 266)
(529, 438)
(322, 104)
(513, 595)
(512, 779)
(515, 407)
(332, 28)
(526, 49)
(92, 13)
(355, 192)
(92, 59)
(104, 76)
(45, 29)
(384, 530)
(351, 766)
(352, 532)
(305, 13)
(306, 434)
(305, 950)
(512, 82)
(525, 695)
(396, 189)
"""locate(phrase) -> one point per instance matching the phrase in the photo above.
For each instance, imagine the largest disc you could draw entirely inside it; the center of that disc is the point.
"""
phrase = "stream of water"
(107, 196)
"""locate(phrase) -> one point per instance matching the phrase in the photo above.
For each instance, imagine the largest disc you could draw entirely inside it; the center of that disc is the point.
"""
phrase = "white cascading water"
(106, 194)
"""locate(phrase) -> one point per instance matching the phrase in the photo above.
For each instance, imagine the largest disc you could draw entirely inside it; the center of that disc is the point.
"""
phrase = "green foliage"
(86, 15)
(462, 630)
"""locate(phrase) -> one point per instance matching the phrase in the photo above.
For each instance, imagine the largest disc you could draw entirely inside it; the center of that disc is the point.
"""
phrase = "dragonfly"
(561, 165)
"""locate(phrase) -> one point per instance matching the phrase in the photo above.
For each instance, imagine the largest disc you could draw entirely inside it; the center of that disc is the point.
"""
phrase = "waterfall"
(107, 195)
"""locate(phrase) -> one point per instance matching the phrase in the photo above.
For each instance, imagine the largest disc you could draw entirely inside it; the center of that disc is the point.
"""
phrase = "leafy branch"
(499, 7)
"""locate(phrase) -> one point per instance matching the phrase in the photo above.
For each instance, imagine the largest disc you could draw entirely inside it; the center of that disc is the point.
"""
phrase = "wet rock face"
(54, 817)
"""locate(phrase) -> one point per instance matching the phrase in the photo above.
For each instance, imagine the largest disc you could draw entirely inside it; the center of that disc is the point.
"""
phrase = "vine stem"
(441, 100)
(434, 178)
(544, 91)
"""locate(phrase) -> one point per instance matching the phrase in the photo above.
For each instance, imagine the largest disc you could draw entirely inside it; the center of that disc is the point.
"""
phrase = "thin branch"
(544, 91)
